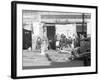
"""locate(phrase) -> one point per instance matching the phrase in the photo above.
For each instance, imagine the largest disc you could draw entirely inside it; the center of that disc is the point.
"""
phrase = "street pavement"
(33, 58)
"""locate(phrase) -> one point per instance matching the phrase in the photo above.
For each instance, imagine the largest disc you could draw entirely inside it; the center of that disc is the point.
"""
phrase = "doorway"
(51, 37)
(27, 39)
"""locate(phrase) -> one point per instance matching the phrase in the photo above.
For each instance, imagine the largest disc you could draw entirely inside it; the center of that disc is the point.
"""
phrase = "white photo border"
(54, 71)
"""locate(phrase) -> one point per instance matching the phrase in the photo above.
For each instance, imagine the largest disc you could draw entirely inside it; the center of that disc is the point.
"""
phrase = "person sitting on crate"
(38, 43)
(62, 41)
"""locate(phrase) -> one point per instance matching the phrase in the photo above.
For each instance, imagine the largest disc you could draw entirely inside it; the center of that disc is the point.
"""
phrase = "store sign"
(63, 20)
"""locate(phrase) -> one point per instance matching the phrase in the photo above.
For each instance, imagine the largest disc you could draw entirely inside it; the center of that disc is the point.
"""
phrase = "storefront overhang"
(63, 21)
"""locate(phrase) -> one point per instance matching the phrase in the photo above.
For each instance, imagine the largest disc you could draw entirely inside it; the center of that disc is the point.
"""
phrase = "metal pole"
(83, 23)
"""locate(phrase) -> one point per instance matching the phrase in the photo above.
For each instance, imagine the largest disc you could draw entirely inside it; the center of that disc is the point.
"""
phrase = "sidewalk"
(33, 58)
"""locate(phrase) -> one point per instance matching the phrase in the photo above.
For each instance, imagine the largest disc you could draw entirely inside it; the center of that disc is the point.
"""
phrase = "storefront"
(47, 25)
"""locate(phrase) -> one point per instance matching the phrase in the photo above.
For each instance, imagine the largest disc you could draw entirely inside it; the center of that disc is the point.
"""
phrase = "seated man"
(38, 43)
